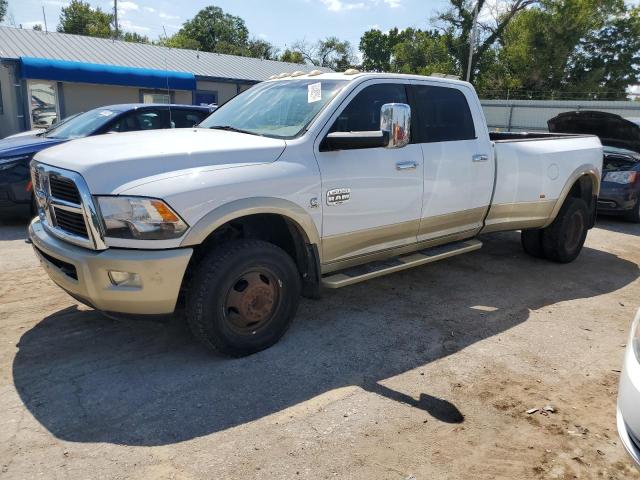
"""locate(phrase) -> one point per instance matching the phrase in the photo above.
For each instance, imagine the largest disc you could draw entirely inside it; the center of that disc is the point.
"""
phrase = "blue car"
(16, 195)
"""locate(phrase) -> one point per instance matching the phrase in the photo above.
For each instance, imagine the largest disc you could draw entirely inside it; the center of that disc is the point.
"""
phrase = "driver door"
(371, 197)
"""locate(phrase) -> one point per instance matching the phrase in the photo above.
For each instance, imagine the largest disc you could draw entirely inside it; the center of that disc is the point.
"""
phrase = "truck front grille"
(64, 189)
(71, 222)
(65, 206)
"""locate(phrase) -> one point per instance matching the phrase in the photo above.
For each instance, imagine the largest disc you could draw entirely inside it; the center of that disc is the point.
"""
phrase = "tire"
(532, 242)
(634, 215)
(243, 297)
(562, 241)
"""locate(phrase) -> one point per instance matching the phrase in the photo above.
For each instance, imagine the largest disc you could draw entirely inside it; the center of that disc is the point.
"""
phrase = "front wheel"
(243, 297)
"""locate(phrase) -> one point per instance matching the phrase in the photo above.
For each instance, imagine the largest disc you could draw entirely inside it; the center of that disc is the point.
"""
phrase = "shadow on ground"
(87, 378)
(618, 224)
(13, 228)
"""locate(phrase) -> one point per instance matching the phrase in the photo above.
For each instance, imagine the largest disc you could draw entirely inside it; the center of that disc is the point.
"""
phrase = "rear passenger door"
(458, 164)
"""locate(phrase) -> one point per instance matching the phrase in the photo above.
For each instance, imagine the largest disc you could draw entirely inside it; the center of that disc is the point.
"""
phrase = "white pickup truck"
(304, 181)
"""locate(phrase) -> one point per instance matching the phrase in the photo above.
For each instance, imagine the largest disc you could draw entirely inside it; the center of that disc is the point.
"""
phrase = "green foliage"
(536, 46)
(38, 27)
(291, 57)
(133, 37)
(407, 51)
(3, 9)
(80, 19)
(330, 52)
(217, 31)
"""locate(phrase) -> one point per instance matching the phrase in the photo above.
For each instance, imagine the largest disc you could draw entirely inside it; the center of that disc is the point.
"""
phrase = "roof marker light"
(273, 77)
(284, 74)
(313, 73)
(297, 73)
(351, 71)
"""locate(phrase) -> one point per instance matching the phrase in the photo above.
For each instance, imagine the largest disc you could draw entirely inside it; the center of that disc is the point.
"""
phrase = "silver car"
(629, 394)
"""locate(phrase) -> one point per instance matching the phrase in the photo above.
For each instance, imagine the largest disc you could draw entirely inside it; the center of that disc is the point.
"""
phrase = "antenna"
(115, 16)
(166, 69)
(44, 16)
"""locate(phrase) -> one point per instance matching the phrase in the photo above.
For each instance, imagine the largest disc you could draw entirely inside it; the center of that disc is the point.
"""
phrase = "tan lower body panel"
(362, 242)
(441, 225)
(410, 260)
(517, 216)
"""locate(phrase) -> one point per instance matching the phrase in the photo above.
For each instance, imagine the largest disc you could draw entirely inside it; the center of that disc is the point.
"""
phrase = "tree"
(38, 27)
(133, 37)
(80, 19)
(456, 24)
(216, 31)
(330, 52)
(258, 48)
(291, 56)
(407, 51)
(181, 40)
(564, 45)
(3, 9)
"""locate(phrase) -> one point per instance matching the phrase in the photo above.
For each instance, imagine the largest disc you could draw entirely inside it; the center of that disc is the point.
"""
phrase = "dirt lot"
(424, 374)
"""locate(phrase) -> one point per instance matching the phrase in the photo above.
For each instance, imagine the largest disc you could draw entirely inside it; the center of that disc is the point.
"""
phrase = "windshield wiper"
(229, 128)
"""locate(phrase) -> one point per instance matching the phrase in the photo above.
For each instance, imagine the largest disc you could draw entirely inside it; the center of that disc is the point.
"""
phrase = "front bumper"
(629, 402)
(617, 198)
(84, 274)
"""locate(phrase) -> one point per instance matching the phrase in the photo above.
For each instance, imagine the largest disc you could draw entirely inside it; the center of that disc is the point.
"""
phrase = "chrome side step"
(379, 268)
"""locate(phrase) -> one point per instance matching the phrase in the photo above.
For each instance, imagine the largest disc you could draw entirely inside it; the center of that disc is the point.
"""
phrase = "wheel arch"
(584, 183)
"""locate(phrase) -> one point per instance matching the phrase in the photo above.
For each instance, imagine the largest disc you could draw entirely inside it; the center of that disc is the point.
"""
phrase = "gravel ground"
(423, 374)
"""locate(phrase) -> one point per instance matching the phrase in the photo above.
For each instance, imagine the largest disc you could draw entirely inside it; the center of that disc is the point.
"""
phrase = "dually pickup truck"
(301, 182)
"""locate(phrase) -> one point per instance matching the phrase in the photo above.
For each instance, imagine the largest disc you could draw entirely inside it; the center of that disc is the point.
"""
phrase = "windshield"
(281, 109)
(82, 125)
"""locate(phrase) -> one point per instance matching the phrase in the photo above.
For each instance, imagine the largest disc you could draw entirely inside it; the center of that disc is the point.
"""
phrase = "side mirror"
(352, 140)
(395, 121)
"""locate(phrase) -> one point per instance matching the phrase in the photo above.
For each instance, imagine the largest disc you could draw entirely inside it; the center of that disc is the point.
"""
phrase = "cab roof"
(368, 75)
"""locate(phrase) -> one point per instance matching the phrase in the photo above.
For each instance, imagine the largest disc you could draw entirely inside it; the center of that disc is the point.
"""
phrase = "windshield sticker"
(314, 92)
(106, 113)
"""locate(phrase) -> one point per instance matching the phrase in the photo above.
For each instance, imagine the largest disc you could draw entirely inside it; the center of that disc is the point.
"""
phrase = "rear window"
(443, 115)
(186, 118)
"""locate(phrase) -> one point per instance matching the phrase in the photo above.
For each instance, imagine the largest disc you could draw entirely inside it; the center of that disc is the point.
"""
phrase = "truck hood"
(113, 163)
(613, 130)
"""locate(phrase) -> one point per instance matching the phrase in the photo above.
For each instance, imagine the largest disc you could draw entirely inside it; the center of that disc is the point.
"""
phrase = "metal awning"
(67, 71)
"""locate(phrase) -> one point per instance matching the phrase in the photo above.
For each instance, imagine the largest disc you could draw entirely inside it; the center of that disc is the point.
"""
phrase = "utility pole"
(472, 39)
(115, 16)
(44, 16)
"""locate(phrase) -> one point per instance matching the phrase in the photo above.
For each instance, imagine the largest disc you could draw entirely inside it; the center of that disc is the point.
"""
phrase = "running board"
(379, 268)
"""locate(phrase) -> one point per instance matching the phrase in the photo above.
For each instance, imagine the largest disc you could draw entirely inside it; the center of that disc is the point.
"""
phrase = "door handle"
(406, 165)
(480, 157)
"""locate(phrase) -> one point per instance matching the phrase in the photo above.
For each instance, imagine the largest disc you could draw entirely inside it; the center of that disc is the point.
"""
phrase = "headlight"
(620, 177)
(139, 218)
(635, 336)
(8, 162)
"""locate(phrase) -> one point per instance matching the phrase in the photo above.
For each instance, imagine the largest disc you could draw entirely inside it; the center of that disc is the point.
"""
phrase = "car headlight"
(139, 218)
(635, 336)
(620, 177)
(9, 162)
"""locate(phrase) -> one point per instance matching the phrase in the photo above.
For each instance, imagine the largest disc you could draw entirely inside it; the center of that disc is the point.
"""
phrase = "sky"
(280, 22)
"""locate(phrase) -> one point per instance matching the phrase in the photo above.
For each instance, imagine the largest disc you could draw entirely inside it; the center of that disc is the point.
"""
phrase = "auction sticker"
(314, 92)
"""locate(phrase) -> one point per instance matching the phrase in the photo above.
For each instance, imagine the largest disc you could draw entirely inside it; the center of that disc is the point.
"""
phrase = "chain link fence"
(518, 114)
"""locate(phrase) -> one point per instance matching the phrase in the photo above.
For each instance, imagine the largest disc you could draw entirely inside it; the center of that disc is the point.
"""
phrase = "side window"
(186, 118)
(443, 115)
(363, 112)
(141, 120)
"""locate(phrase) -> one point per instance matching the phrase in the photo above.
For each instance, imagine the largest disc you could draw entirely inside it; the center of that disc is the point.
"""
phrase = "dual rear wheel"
(563, 240)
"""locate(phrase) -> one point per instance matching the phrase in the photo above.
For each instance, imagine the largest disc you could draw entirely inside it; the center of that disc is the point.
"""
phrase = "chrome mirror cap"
(395, 120)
